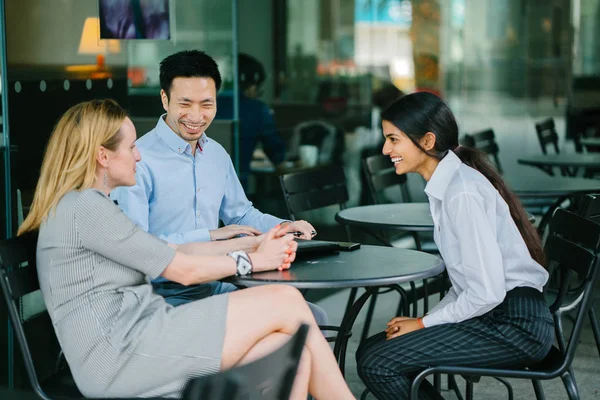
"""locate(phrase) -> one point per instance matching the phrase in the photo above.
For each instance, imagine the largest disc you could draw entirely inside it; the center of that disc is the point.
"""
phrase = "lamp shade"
(90, 42)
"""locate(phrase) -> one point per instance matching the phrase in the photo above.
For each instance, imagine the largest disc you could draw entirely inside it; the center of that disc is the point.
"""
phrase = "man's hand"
(308, 231)
(401, 326)
(229, 231)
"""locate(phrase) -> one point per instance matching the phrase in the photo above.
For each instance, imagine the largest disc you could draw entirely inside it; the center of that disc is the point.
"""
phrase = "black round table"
(542, 185)
(591, 142)
(414, 217)
(567, 163)
(370, 267)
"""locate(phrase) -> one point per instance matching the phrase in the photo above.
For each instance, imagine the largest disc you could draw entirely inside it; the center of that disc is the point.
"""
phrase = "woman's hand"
(277, 250)
(401, 326)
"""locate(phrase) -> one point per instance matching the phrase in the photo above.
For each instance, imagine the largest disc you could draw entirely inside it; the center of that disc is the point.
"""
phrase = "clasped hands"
(401, 326)
(276, 250)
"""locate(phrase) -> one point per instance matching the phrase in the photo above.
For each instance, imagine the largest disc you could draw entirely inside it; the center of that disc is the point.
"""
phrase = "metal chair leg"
(538, 390)
(570, 385)
(364, 394)
(454, 386)
(369, 317)
(425, 297)
(561, 336)
(415, 301)
(595, 328)
(469, 394)
(339, 348)
(437, 382)
(509, 388)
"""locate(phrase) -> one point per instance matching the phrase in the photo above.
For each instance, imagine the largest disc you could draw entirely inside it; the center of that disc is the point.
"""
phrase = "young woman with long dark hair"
(494, 315)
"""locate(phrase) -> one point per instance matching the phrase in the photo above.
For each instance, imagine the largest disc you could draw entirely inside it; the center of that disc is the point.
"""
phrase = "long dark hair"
(418, 113)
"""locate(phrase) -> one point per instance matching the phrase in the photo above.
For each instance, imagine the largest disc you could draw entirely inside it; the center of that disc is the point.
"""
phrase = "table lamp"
(90, 42)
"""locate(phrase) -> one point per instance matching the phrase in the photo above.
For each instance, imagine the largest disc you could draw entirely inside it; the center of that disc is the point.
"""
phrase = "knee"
(287, 295)
(371, 358)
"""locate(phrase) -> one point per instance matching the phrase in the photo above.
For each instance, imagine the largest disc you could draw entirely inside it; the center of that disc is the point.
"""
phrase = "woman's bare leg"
(253, 314)
(273, 342)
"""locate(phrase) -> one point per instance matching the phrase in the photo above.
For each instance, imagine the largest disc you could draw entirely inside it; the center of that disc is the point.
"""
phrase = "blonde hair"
(70, 158)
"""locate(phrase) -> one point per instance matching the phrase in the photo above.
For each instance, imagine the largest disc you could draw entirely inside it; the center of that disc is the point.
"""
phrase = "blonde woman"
(119, 338)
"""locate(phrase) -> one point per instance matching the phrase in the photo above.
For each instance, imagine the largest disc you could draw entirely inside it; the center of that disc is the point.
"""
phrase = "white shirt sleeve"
(450, 297)
(480, 261)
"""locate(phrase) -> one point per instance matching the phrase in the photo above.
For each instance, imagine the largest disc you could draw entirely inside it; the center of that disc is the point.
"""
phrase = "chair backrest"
(589, 207)
(315, 188)
(270, 377)
(486, 142)
(35, 335)
(381, 174)
(567, 251)
(546, 133)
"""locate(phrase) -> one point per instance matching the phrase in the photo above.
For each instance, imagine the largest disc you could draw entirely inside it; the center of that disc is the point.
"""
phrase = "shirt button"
(198, 215)
(198, 190)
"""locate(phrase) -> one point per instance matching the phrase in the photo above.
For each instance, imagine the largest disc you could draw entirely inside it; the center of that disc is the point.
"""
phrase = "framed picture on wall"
(134, 19)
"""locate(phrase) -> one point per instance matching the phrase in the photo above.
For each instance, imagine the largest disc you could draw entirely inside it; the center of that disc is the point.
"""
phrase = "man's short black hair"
(188, 64)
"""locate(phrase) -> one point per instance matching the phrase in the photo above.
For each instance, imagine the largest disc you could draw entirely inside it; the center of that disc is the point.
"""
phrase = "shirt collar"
(174, 141)
(440, 179)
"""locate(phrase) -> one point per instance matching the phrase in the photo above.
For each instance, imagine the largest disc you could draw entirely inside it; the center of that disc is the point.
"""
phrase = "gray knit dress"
(119, 338)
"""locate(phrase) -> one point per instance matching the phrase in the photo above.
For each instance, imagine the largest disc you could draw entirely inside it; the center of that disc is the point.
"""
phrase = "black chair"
(318, 188)
(546, 133)
(269, 378)
(46, 369)
(381, 175)
(35, 336)
(563, 252)
(589, 207)
(486, 142)
(313, 189)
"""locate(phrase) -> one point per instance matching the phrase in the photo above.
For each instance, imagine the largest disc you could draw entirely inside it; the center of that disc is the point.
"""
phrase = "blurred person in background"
(256, 118)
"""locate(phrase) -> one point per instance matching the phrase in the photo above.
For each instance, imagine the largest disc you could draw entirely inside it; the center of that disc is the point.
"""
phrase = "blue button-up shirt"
(180, 196)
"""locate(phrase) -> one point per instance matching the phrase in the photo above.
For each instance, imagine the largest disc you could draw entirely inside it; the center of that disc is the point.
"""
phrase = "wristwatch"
(242, 262)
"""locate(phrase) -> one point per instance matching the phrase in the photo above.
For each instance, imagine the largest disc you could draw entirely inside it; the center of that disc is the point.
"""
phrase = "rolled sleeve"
(237, 209)
(104, 229)
(480, 261)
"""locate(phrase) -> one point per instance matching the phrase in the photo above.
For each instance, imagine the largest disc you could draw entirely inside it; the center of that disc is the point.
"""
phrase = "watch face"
(244, 269)
(243, 263)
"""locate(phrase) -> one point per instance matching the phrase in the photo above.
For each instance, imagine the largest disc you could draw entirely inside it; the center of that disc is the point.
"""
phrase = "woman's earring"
(105, 179)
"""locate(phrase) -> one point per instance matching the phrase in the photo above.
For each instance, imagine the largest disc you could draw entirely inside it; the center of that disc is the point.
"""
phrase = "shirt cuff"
(199, 235)
(431, 320)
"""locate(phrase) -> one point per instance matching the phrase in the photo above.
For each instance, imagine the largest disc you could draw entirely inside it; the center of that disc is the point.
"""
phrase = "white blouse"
(484, 252)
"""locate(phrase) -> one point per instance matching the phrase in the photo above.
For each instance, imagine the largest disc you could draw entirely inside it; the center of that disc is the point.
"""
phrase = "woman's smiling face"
(403, 153)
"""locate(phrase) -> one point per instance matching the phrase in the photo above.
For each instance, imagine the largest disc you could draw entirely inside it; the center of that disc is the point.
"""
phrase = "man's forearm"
(219, 247)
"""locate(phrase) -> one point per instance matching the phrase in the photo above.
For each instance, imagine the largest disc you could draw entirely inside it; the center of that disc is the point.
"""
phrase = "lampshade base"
(100, 62)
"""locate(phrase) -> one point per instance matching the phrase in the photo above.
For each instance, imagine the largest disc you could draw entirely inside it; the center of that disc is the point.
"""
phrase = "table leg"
(339, 348)
(341, 342)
